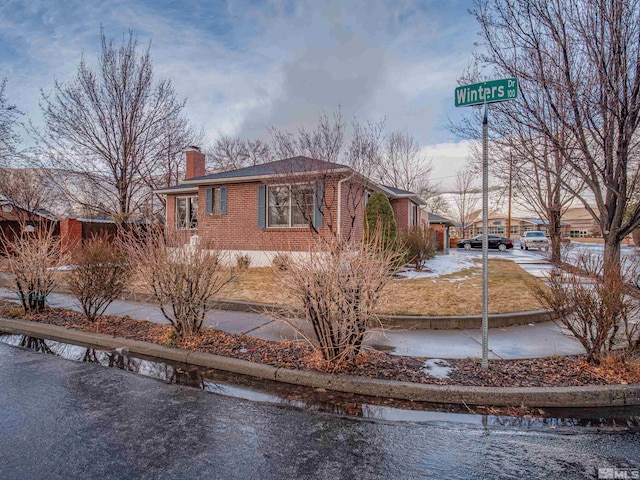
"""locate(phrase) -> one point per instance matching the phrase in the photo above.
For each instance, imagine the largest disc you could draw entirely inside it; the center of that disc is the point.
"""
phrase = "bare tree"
(577, 64)
(539, 176)
(465, 199)
(360, 153)
(29, 189)
(113, 124)
(402, 165)
(258, 152)
(228, 153)
(8, 119)
(438, 204)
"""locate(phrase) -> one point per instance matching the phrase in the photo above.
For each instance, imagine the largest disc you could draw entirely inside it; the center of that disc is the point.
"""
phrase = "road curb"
(592, 396)
(418, 322)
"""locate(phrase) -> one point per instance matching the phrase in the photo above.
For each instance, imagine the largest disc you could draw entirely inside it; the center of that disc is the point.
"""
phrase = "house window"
(186, 212)
(413, 215)
(216, 201)
(289, 205)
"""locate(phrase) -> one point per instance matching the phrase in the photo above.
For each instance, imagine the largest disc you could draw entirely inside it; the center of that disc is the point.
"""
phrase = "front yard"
(458, 293)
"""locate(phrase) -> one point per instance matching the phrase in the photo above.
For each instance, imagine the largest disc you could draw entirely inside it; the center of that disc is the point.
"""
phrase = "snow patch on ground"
(436, 367)
(441, 265)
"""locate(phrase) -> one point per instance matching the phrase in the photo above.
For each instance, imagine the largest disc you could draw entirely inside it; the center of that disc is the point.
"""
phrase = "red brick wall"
(401, 213)
(70, 233)
(353, 210)
(238, 229)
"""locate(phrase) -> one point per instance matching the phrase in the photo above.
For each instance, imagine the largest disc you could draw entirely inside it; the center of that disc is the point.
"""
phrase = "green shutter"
(209, 201)
(223, 200)
(317, 212)
(261, 205)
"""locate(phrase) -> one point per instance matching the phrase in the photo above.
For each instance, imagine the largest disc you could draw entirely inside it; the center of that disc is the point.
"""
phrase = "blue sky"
(245, 66)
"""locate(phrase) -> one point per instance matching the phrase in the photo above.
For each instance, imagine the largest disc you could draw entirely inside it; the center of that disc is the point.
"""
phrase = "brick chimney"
(195, 163)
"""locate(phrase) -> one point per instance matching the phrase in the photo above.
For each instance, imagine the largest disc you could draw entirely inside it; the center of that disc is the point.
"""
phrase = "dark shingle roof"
(279, 167)
(433, 218)
(398, 191)
(180, 186)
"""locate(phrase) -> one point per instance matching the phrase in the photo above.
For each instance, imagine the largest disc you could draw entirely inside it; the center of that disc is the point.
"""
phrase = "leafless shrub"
(32, 259)
(339, 285)
(419, 245)
(599, 313)
(99, 275)
(281, 262)
(183, 279)
(243, 262)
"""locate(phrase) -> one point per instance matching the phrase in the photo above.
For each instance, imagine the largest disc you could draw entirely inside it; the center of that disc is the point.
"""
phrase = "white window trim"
(290, 216)
(188, 219)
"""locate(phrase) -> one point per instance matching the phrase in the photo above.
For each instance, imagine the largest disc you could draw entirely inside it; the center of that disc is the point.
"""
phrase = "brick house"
(278, 206)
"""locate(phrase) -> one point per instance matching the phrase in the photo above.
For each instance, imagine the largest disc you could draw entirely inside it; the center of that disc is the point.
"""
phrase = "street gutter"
(590, 396)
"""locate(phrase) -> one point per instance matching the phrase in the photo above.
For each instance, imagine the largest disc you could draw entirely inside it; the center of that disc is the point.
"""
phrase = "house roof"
(181, 188)
(287, 166)
(399, 193)
(538, 221)
(437, 219)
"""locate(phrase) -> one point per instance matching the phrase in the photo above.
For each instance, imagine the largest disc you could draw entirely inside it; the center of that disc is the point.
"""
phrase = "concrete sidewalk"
(529, 341)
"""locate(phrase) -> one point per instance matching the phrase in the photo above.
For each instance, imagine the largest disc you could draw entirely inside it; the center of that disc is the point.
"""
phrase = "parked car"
(534, 239)
(495, 241)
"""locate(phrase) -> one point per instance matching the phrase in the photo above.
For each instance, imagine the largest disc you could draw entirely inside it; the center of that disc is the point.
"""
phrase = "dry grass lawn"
(455, 294)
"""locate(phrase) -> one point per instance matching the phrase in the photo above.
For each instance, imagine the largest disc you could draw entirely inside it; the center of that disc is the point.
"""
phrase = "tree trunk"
(611, 255)
(555, 235)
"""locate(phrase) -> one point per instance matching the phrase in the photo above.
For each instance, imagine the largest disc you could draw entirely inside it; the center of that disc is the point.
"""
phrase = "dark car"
(495, 241)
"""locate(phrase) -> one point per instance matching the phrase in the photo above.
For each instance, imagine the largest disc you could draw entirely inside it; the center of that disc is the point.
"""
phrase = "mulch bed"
(547, 372)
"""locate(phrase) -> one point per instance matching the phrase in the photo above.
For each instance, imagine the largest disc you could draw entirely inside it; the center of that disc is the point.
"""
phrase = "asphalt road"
(61, 419)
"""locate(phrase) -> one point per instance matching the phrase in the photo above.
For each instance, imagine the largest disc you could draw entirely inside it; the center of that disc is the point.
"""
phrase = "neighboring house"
(581, 223)
(441, 226)
(278, 206)
(13, 219)
(498, 225)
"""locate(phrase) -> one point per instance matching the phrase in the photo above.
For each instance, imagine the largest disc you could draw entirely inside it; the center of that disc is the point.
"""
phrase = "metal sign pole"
(485, 240)
(484, 93)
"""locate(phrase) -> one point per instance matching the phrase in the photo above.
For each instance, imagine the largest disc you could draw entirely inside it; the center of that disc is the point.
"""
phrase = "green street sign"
(487, 92)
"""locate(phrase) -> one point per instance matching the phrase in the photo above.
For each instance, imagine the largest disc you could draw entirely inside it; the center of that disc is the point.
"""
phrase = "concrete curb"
(593, 396)
(442, 322)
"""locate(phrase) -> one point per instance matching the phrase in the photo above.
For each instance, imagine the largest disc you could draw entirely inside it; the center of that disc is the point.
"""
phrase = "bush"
(281, 262)
(339, 285)
(602, 315)
(379, 220)
(183, 279)
(243, 262)
(100, 274)
(33, 260)
(419, 245)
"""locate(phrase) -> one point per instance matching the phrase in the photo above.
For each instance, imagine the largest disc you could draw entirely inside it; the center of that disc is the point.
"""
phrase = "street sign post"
(483, 94)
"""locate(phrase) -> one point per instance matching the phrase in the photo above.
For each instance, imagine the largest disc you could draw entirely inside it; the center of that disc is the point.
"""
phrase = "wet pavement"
(62, 419)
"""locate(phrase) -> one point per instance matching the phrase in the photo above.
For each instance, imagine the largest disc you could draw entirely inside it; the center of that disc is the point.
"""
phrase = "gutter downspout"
(340, 182)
